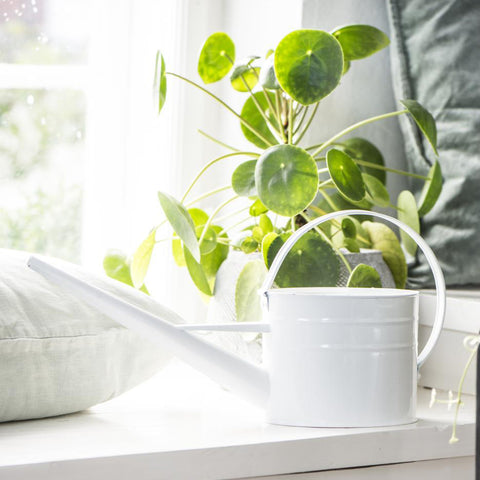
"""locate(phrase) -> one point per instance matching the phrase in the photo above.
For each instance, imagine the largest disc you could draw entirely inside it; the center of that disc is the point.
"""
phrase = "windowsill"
(184, 426)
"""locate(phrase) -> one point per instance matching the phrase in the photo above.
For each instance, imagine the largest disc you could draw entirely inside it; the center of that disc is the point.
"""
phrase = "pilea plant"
(286, 182)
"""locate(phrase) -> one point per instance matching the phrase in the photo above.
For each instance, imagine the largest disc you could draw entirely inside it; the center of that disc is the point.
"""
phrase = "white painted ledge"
(179, 425)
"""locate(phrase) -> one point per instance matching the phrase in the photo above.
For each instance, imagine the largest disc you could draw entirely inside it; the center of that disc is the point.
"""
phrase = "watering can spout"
(241, 377)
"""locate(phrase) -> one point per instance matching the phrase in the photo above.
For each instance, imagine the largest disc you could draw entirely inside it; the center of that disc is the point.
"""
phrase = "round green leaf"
(360, 41)
(198, 216)
(311, 262)
(257, 208)
(376, 190)
(159, 83)
(257, 234)
(308, 65)
(408, 214)
(209, 241)
(345, 174)
(197, 273)
(245, 75)
(431, 190)
(247, 299)
(251, 114)
(349, 228)
(141, 259)
(268, 78)
(216, 57)
(117, 266)
(364, 276)
(425, 121)
(181, 222)
(243, 179)
(211, 262)
(274, 246)
(382, 238)
(287, 179)
(361, 149)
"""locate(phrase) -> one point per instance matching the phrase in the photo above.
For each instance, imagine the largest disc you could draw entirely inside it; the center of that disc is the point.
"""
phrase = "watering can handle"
(427, 251)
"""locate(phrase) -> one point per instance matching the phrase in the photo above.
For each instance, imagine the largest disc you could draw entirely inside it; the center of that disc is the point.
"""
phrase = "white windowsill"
(179, 425)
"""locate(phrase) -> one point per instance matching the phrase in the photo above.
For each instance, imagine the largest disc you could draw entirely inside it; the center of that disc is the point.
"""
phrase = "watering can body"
(336, 357)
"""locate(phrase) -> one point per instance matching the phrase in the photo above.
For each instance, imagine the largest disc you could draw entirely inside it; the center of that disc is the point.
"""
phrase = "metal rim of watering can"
(427, 251)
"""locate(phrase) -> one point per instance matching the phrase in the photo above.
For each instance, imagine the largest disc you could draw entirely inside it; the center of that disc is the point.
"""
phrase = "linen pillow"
(435, 48)
(57, 354)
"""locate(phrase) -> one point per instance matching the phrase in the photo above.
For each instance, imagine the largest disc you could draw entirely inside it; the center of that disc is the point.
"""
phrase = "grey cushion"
(57, 354)
(436, 60)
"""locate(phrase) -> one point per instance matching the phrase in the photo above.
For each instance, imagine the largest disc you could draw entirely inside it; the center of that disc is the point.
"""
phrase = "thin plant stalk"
(290, 120)
(300, 122)
(219, 142)
(213, 215)
(355, 126)
(387, 169)
(208, 194)
(213, 162)
(307, 126)
(231, 110)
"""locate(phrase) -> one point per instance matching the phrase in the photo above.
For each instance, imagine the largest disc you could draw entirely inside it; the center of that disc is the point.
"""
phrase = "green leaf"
(251, 114)
(346, 66)
(431, 190)
(257, 208)
(383, 239)
(266, 243)
(360, 41)
(247, 299)
(408, 214)
(349, 228)
(141, 259)
(159, 82)
(249, 245)
(265, 223)
(345, 174)
(351, 245)
(216, 57)
(257, 234)
(197, 273)
(425, 121)
(268, 78)
(308, 65)
(211, 261)
(287, 179)
(364, 276)
(245, 75)
(312, 262)
(117, 266)
(274, 246)
(181, 222)
(209, 241)
(198, 216)
(361, 149)
(376, 190)
(243, 179)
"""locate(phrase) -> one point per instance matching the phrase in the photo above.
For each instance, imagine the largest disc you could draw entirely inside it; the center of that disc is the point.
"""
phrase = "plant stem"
(278, 104)
(387, 169)
(326, 183)
(226, 229)
(201, 132)
(231, 110)
(329, 201)
(208, 194)
(299, 124)
(355, 126)
(307, 126)
(209, 164)
(212, 216)
(290, 120)
(259, 107)
(473, 352)
(230, 215)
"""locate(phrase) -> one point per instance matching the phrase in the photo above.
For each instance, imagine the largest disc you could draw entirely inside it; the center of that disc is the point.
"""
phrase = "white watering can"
(337, 357)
